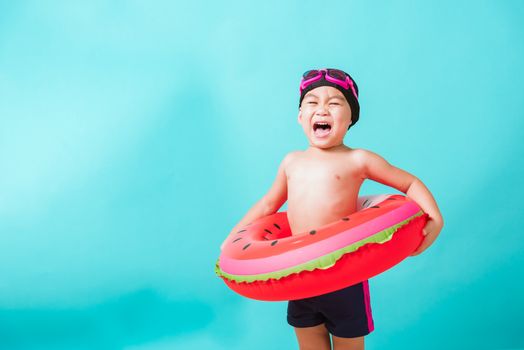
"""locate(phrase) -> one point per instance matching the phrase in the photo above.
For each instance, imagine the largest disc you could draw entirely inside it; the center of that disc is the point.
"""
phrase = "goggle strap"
(346, 84)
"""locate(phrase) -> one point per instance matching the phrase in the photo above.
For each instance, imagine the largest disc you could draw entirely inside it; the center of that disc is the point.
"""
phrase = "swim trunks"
(345, 312)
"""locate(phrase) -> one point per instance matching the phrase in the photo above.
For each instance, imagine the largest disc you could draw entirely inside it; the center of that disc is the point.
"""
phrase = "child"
(321, 185)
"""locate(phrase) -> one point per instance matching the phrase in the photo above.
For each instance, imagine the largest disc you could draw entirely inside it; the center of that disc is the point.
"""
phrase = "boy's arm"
(269, 203)
(378, 169)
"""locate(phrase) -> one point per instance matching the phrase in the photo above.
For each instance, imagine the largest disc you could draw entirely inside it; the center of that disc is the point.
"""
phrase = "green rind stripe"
(322, 262)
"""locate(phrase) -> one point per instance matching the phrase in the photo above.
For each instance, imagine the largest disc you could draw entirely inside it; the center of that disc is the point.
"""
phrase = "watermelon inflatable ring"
(263, 261)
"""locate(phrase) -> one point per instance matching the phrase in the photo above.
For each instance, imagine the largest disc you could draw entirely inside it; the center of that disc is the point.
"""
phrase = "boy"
(321, 185)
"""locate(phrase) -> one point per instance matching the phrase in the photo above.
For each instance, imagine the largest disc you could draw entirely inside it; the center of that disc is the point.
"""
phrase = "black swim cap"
(348, 94)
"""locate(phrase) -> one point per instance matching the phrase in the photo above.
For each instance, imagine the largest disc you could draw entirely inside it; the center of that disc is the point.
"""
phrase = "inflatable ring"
(263, 261)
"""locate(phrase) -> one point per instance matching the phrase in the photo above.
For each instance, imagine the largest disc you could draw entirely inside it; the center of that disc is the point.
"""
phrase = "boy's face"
(325, 104)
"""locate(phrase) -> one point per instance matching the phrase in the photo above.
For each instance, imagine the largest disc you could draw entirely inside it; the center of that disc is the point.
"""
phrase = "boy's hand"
(430, 231)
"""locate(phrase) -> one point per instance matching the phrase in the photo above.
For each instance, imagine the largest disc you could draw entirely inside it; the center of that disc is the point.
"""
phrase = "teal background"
(135, 135)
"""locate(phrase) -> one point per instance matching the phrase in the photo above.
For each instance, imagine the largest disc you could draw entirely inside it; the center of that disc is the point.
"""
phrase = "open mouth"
(321, 129)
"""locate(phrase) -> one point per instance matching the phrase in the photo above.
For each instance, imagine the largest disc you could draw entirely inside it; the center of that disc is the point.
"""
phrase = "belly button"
(338, 177)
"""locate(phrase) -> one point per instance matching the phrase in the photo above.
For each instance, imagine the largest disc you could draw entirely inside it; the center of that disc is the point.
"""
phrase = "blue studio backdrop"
(135, 135)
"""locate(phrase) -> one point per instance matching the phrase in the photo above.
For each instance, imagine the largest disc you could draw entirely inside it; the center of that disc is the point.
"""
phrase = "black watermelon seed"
(238, 239)
(245, 247)
(375, 206)
(345, 219)
(312, 232)
(273, 243)
(277, 226)
(241, 231)
(268, 231)
(391, 199)
(365, 202)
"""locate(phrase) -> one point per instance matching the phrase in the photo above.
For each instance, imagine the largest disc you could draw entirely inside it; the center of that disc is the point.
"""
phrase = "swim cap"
(348, 94)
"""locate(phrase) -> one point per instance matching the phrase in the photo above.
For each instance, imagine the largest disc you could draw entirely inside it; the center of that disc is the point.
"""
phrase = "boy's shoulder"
(368, 159)
(361, 155)
(291, 156)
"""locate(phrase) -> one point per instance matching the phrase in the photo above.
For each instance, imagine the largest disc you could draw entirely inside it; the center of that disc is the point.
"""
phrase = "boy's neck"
(337, 148)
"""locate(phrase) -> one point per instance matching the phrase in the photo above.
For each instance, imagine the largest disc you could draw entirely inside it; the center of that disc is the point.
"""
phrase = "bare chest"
(321, 190)
(317, 174)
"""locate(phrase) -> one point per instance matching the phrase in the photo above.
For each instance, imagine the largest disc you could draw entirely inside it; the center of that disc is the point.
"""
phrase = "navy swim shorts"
(345, 312)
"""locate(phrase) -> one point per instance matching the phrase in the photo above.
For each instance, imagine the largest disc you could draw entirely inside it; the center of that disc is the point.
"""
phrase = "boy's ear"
(299, 115)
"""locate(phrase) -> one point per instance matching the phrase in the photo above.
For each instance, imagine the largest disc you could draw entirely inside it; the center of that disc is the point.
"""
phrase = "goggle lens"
(337, 74)
(310, 74)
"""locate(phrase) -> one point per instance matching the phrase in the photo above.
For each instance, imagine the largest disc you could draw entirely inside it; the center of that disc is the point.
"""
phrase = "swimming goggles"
(334, 76)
